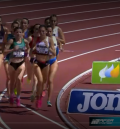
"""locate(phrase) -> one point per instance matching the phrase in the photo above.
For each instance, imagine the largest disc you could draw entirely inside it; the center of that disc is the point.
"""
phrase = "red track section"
(77, 41)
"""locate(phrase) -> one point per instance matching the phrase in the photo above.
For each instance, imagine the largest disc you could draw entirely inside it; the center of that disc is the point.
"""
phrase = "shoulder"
(25, 40)
(10, 41)
(59, 29)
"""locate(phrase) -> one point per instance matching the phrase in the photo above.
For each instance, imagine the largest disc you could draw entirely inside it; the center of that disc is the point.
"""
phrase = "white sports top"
(54, 41)
(41, 48)
(55, 31)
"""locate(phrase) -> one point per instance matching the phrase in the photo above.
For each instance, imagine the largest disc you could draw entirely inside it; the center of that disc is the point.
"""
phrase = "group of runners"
(31, 50)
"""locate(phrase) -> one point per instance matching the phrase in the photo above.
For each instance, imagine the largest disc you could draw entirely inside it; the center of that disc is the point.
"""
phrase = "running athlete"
(25, 25)
(8, 36)
(53, 65)
(47, 21)
(57, 32)
(3, 30)
(33, 38)
(43, 49)
(16, 66)
(19, 21)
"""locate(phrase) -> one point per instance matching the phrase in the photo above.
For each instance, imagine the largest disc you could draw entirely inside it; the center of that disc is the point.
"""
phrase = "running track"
(91, 32)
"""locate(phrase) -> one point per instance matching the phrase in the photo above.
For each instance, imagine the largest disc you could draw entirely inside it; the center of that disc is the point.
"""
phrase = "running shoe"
(18, 102)
(32, 98)
(49, 104)
(15, 91)
(39, 103)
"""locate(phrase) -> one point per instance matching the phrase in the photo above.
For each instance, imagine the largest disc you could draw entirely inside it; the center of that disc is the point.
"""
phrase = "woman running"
(3, 31)
(16, 66)
(8, 36)
(43, 49)
(57, 32)
(33, 38)
(25, 28)
(47, 21)
(53, 65)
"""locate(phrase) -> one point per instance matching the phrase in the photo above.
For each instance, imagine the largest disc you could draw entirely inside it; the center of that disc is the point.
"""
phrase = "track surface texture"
(92, 33)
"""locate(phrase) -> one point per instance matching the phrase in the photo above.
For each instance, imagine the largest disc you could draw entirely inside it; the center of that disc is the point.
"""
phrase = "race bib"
(42, 50)
(19, 54)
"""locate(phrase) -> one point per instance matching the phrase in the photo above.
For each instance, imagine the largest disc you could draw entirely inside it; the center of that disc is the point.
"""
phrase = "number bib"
(1, 39)
(42, 50)
(18, 54)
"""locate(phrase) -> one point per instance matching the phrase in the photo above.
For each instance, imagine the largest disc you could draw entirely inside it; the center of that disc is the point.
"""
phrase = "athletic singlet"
(26, 34)
(54, 41)
(55, 31)
(31, 43)
(42, 49)
(20, 53)
(10, 36)
(2, 32)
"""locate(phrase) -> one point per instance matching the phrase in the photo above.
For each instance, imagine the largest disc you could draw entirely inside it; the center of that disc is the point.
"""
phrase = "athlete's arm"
(7, 47)
(52, 48)
(29, 39)
(6, 34)
(61, 37)
(27, 45)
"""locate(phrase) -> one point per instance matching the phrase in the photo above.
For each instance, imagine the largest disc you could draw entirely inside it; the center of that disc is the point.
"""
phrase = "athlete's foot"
(49, 104)
(18, 102)
(39, 103)
(32, 98)
(43, 93)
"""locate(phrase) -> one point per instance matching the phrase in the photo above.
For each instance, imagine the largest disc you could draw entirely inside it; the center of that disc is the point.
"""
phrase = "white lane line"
(94, 27)
(96, 50)
(94, 18)
(51, 9)
(34, 4)
(73, 13)
(44, 117)
(60, 1)
(92, 38)
(59, 62)
(3, 123)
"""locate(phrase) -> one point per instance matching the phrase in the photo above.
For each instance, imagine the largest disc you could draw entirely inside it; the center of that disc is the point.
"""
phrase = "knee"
(50, 81)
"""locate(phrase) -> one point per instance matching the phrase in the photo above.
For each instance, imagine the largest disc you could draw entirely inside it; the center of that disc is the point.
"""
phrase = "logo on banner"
(109, 72)
(105, 72)
(94, 102)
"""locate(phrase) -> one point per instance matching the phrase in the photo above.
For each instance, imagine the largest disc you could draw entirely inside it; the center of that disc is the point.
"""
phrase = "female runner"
(43, 49)
(3, 31)
(16, 66)
(33, 38)
(57, 32)
(47, 21)
(25, 28)
(53, 65)
(8, 36)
